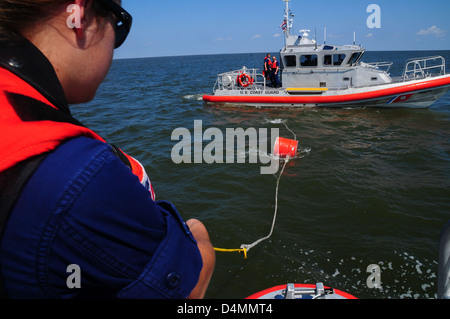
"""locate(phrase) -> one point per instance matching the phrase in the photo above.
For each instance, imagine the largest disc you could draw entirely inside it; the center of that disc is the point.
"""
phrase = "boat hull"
(413, 94)
(301, 291)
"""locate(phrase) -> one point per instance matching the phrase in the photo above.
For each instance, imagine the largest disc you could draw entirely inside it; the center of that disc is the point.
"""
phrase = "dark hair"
(16, 16)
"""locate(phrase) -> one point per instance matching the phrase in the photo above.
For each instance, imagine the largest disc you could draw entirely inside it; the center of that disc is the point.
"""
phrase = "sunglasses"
(123, 21)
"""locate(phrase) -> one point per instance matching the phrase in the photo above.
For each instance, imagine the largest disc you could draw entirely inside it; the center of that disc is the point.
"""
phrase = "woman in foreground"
(78, 217)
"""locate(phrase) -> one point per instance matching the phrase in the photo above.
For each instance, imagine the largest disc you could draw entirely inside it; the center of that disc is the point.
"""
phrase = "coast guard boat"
(332, 75)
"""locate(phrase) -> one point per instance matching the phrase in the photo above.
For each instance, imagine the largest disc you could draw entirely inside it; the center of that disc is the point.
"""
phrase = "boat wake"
(195, 97)
(276, 121)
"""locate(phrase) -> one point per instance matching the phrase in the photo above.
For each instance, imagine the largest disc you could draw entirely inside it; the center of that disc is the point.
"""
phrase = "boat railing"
(229, 80)
(383, 66)
(420, 68)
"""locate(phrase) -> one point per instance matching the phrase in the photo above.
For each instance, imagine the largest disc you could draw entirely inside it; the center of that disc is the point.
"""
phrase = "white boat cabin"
(307, 64)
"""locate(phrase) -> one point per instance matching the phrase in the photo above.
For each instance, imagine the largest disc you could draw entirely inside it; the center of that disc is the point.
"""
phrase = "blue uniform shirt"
(84, 207)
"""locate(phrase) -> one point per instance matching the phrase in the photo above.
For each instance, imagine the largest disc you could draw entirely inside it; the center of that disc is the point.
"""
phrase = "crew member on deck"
(267, 66)
(78, 217)
(275, 73)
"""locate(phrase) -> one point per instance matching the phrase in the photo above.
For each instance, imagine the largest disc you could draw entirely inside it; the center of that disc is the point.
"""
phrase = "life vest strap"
(12, 183)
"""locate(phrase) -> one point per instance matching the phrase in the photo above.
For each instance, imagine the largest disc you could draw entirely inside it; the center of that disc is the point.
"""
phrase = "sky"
(200, 27)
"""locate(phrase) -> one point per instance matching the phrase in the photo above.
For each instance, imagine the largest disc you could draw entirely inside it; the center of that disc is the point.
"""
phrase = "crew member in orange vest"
(275, 73)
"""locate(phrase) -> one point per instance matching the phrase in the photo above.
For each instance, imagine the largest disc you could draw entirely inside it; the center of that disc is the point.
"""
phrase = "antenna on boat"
(354, 38)
(315, 37)
(287, 23)
(287, 19)
(325, 35)
(287, 10)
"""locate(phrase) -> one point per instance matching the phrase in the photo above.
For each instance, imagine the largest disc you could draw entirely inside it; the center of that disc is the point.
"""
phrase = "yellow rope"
(243, 250)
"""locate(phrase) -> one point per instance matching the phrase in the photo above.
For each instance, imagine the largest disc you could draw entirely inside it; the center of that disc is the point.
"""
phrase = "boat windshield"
(355, 58)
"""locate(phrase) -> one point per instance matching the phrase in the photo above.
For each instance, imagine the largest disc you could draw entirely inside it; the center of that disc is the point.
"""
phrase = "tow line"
(288, 149)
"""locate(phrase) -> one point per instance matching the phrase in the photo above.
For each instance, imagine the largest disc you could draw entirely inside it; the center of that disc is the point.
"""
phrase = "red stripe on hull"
(335, 99)
(280, 288)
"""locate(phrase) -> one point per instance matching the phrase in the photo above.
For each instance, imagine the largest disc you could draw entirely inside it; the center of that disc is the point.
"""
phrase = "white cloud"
(370, 35)
(335, 36)
(277, 35)
(257, 36)
(222, 39)
(434, 31)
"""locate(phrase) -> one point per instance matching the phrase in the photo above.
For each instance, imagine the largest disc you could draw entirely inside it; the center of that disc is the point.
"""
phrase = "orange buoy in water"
(285, 147)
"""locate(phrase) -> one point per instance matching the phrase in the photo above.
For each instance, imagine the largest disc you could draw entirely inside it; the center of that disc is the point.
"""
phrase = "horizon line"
(265, 52)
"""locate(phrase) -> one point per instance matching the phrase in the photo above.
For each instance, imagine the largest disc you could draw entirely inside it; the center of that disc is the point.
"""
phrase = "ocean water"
(369, 186)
